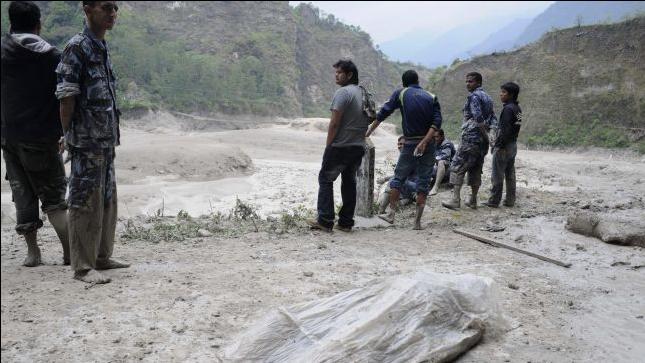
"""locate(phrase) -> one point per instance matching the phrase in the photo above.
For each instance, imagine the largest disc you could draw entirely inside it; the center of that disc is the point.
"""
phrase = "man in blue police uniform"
(421, 115)
(90, 118)
(444, 154)
(479, 117)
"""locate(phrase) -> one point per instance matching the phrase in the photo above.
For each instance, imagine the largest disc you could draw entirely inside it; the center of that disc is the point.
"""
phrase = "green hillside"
(580, 86)
(261, 58)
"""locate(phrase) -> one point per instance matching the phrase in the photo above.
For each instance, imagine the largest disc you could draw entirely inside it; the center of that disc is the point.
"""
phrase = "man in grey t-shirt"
(344, 151)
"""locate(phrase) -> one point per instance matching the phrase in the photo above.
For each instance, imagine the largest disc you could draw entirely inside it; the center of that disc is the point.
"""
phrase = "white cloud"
(388, 20)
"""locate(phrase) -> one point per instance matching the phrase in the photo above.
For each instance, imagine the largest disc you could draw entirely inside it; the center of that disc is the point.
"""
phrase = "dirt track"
(187, 300)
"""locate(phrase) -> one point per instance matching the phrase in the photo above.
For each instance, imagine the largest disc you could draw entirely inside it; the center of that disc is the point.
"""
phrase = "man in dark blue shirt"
(421, 116)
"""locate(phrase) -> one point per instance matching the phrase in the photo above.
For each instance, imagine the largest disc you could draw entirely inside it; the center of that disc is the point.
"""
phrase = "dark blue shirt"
(420, 110)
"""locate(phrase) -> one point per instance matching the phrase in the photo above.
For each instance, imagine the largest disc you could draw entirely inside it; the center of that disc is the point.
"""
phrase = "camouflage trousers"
(35, 172)
(93, 207)
(468, 160)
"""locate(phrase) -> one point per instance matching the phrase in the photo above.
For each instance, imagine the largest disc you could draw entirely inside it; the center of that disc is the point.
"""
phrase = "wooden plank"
(518, 250)
(365, 182)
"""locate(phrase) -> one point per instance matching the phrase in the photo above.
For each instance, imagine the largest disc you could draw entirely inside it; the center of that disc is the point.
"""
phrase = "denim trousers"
(343, 161)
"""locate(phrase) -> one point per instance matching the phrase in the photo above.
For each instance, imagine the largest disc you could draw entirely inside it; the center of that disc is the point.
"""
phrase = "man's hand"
(372, 127)
(61, 145)
(420, 149)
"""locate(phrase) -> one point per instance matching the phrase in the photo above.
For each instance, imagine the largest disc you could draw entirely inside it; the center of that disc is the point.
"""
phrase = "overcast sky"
(388, 20)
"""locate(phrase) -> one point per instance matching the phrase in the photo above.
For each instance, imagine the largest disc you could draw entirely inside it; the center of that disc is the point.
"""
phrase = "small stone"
(513, 286)
(620, 263)
(580, 247)
(178, 330)
(308, 273)
(204, 233)
(639, 317)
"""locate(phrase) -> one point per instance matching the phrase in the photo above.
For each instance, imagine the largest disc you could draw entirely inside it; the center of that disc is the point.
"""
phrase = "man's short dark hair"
(476, 76)
(409, 78)
(89, 3)
(512, 89)
(24, 16)
(401, 137)
(441, 133)
(347, 66)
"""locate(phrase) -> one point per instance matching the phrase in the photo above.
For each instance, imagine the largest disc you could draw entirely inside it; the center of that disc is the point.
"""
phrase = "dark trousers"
(343, 161)
(503, 168)
(35, 172)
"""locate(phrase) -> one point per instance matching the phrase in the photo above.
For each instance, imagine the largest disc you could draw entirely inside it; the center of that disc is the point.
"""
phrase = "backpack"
(369, 106)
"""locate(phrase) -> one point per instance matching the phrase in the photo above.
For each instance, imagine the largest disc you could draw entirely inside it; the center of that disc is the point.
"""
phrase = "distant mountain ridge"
(468, 41)
(565, 14)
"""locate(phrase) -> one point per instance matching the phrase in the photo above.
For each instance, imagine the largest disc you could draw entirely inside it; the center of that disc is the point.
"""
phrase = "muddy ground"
(186, 301)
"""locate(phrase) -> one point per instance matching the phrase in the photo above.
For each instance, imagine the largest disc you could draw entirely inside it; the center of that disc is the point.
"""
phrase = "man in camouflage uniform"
(443, 156)
(86, 89)
(479, 117)
(31, 129)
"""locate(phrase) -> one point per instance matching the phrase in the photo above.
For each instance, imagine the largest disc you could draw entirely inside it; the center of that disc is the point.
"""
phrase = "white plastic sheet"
(421, 317)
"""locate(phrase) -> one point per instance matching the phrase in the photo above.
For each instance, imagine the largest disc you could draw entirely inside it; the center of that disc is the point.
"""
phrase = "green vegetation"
(224, 61)
(167, 74)
(576, 86)
(243, 218)
(593, 134)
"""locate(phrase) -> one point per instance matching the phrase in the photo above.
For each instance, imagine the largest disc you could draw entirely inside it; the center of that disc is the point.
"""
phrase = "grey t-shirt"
(354, 123)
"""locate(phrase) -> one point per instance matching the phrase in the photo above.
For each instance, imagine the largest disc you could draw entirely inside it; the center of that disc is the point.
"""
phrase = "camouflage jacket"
(478, 109)
(85, 72)
(445, 151)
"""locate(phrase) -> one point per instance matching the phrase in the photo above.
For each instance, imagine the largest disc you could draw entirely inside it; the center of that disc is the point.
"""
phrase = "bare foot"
(32, 260)
(91, 277)
(389, 218)
(417, 227)
(433, 192)
(111, 264)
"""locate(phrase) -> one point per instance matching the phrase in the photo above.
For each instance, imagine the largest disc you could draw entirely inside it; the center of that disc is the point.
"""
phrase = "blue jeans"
(408, 188)
(408, 162)
(343, 161)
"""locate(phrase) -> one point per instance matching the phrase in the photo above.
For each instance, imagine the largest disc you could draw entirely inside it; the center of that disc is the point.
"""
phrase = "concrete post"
(365, 182)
